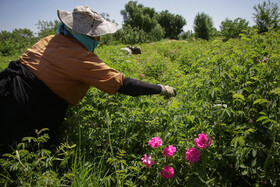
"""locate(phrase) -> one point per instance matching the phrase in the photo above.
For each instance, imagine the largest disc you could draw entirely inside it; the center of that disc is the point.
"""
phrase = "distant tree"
(214, 32)
(157, 33)
(186, 35)
(16, 34)
(172, 24)
(136, 15)
(232, 28)
(130, 35)
(47, 28)
(203, 26)
(140, 25)
(266, 16)
(15, 41)
(106, 16)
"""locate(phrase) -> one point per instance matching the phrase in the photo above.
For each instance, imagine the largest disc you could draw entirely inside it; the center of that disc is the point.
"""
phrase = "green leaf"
(275, 91)
(262, 118)
(244, 172)
(109, 160)
(191, 118)
(242, 166)
(260, 101)
(228, 112)
(262, 113)
(239, 96)
(123, 162)
(241, 141)
(250, 130)
(234, 142)
(253, 163)
(134, 168)
(254, 152)
(223, 124)
(266, 121)
(152, 110)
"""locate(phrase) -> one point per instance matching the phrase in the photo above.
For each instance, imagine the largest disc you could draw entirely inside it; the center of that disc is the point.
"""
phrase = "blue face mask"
(87, 41)
(95, 44)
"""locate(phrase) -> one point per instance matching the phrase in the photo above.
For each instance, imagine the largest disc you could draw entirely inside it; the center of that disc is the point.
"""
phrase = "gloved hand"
(167, 91)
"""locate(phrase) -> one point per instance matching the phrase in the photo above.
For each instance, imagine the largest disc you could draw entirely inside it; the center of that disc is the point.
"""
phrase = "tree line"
(143, 24)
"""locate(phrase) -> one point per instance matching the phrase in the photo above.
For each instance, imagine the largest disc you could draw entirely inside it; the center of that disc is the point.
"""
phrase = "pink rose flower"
(265, 59)
(167, 172)
(192, 155)
(169, 151)
(142, 75)
(147, 161)
(155, 142)
(202, 141)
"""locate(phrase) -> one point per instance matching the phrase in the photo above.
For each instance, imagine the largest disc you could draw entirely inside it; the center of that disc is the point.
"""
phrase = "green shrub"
(228, 90)
(31, 164)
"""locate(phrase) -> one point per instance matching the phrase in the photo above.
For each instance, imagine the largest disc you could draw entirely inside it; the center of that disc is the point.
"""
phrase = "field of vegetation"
(226, 90)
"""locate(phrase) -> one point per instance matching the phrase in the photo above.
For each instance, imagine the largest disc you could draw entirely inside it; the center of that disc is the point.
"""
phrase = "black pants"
(26, 104)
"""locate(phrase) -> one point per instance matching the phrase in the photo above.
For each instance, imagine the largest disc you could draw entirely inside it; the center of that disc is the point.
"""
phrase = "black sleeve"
(134, 87)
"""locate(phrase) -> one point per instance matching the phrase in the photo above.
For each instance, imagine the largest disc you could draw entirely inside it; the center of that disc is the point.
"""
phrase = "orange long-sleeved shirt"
(69, 69)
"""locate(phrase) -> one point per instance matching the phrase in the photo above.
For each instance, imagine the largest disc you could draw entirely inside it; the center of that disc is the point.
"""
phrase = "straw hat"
(86, 21)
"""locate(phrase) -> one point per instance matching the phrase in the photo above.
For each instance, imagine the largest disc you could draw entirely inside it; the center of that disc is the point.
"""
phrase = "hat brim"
(78, 24)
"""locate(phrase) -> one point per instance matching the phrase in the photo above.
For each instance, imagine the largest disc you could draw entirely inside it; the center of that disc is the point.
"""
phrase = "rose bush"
(228, 90)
